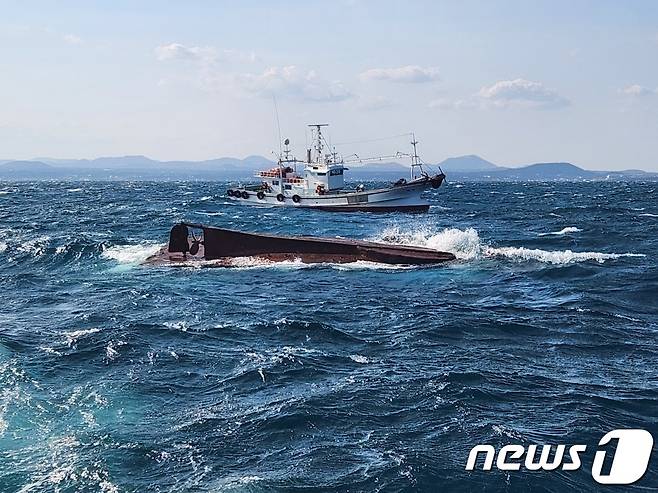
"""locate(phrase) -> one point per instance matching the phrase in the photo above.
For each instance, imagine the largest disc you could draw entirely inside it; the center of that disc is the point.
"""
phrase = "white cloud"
(521, 92)
(295, 83)
(408, 74)
(637, 90)
(178, 51)
(72, 39)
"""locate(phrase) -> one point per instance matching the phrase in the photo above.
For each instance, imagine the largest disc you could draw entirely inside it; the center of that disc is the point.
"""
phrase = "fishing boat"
(321, 183)
(189, 243)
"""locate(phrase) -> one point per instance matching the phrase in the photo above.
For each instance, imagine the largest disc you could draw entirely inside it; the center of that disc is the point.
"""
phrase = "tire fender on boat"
(296, 199)
(245, 195)
(260, 195)
(229, 192)
(280, 197)
(194, 248)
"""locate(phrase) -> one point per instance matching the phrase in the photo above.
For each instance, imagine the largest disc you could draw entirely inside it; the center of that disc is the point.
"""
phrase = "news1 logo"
(628, 464)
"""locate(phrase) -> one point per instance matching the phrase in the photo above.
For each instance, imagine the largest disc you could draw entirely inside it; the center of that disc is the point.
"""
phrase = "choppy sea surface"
(120, 377)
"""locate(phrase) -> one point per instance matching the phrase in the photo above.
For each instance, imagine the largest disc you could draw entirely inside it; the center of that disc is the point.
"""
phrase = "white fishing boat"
(321, 183)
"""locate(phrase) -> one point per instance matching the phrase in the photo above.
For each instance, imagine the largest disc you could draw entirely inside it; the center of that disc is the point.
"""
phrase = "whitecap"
(110, 352)
(563, 231)
(107, 487)
(131, 254)
(181, 325)
(210, 213)
(49, 350)
(648, 214)
(3, 246)
(74, 190)
(35, 247)
(207, 197)
(73, 336)
(359, 359)
(554, 256)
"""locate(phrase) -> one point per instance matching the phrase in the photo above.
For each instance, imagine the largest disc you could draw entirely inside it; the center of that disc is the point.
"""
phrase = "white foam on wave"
(648, 214)
(73, 336)
(554, 256)
(467, 245)
(131, 254)
(260, 263)
(360, 359)
(563, 231)
(35, 247)
(3, 246)
(464, 244)
(210, 213)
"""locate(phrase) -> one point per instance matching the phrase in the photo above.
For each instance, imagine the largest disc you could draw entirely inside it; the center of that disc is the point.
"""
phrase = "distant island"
(462, 168)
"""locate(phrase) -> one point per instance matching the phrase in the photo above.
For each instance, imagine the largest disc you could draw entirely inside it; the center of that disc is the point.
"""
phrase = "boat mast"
(318, 146)
(415, 160)
(284, 157)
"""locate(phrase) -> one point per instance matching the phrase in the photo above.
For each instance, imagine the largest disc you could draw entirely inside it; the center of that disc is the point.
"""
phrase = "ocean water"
(119, 377)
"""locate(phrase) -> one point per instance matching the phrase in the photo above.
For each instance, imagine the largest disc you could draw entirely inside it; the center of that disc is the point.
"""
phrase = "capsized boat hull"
(223, 244)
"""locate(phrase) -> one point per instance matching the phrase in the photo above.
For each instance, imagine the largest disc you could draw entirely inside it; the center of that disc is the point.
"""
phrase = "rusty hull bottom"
(221, 245)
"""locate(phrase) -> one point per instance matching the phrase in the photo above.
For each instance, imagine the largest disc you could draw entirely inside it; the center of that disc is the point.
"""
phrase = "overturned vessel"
(321, 183)
(194, 242)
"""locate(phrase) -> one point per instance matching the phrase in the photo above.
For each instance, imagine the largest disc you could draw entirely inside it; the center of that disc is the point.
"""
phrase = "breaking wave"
(563, 231)
(131, 254)
(554, 256)
(464, 244)
(467, 245)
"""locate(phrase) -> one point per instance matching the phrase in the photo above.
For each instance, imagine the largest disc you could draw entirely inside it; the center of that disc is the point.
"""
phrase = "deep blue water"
(120, 377)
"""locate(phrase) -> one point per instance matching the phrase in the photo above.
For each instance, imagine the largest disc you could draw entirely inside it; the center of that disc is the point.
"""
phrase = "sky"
(515, 82)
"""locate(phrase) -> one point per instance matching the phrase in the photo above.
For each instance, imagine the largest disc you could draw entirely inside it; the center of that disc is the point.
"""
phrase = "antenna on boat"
(278, 123)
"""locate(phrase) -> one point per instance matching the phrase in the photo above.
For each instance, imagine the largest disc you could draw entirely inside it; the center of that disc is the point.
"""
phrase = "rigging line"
(373, 140)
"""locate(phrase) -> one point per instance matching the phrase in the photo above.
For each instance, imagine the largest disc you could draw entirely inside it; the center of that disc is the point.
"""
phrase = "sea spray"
(464, 244)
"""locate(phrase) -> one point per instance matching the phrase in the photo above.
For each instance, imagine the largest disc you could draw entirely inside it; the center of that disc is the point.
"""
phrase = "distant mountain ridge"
(137, 167)
(467, 164)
